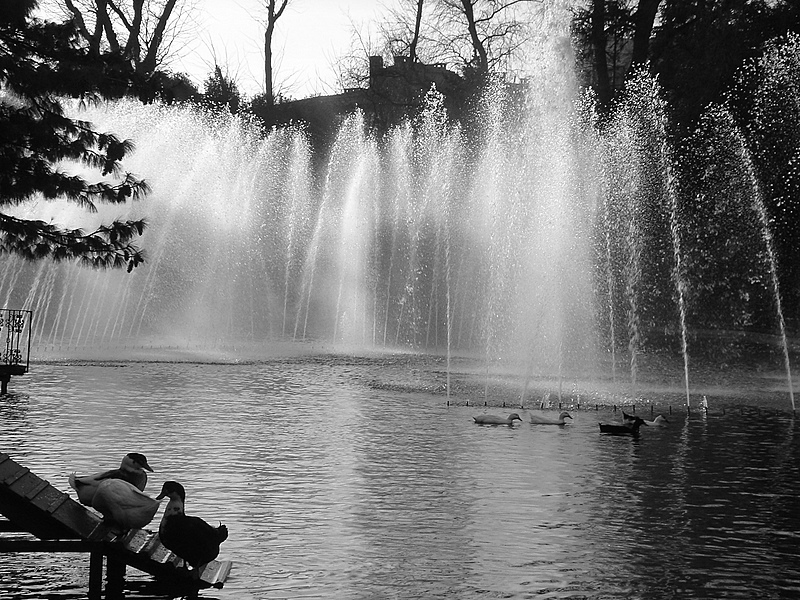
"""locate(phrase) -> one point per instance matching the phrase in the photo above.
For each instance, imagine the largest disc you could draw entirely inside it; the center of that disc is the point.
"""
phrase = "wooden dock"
(60, 524)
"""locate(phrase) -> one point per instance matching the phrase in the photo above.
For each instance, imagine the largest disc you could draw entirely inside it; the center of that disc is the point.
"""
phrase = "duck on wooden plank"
(627, 427)
(124, 504)
(496, 420)
(545, 419)
(132, 469)
(190, 538)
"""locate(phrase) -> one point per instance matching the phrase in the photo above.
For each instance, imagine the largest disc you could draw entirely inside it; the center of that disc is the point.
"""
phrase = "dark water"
(335, 488)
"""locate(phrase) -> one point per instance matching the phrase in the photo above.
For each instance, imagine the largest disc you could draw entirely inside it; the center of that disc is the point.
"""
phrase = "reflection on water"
(334, 489)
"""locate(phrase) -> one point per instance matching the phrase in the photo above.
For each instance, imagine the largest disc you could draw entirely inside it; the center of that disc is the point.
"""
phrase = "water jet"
(545, 246)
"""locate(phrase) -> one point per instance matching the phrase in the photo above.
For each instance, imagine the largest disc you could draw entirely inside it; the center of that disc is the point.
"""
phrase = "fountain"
(532, 243)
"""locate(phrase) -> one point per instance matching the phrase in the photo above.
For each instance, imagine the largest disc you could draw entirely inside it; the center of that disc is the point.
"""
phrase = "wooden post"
(4, 379)
(115, 578)
(95, 575)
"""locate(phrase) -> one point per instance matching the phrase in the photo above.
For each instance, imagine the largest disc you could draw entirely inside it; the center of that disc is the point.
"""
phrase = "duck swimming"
(629, 419)
(659, 421)
(124, 504)
(542, 419)
(630, 426)
(495, 420)
(133, 469)
(190, 538)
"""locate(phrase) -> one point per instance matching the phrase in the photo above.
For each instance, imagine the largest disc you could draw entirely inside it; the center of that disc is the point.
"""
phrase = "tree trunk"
(272, 17)
(132, 47)
(150, 60)
(599, 43)
(643, 19)
(104, 25)
(477, 48)
(77, 18)
(269, 94)
(413, 50)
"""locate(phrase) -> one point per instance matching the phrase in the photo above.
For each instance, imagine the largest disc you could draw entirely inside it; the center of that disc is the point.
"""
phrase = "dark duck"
(190, 538)
(629, 426)
(497, 420)
(133, 469)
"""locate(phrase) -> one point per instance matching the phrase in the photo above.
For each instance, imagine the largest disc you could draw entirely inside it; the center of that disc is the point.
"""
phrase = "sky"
(309, 37)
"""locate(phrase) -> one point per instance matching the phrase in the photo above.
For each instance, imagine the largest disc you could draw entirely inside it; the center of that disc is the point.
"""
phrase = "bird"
(629, 426)
(124, 504)
(132, 469)
(626, 418)
(659, 421)
(495, 420)
(542, 419)
(190, 538)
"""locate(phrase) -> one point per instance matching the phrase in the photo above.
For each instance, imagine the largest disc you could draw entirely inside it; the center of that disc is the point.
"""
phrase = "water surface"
(333, 487)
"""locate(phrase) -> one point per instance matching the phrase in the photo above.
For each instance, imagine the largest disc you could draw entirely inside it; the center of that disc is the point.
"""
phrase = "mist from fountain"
(248, 244)
(529, 243)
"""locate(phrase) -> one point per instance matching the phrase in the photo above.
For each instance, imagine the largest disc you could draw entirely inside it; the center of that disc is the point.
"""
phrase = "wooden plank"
(57, 502)
(153, 543)
(78, 518)
(22, 545)
(48, 497)
(136, 540)
(15, 473)
(7, 466)
(161, 555)
(33, 492)
(216, 572)
(24, 484)
(29, 517)
(103, 531)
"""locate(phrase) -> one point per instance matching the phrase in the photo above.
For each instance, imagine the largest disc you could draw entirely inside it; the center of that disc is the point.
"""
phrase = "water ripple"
(335, 489)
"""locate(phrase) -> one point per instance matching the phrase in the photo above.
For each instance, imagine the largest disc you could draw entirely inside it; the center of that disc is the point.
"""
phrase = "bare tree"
(352, 68)
(274, 12)
(484, 34)
(412, 53)
(144, 31)
(479, 35)
(476, 36)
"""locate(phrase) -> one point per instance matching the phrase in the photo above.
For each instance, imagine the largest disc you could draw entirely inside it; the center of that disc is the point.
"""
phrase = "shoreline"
(660, 379)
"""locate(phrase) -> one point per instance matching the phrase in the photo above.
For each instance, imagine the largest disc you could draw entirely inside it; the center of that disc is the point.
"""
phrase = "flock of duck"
(629, 425)
(118, 494)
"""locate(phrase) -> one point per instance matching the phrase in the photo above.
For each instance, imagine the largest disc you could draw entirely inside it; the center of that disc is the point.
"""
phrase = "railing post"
(95, 574)
(115, 578)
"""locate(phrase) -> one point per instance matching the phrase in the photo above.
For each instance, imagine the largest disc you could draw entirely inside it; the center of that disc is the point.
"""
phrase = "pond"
(334, 487)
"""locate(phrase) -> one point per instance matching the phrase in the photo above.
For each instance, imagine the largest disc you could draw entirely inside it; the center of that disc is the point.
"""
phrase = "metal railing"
(15, 340)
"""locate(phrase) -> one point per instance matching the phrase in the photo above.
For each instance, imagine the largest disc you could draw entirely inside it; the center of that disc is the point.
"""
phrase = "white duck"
(543, 419)
(132, 469)
(659, 421)
(124, 504)
(495, 420)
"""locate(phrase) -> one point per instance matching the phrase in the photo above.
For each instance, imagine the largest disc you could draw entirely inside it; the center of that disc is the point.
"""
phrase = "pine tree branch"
(108, 246)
